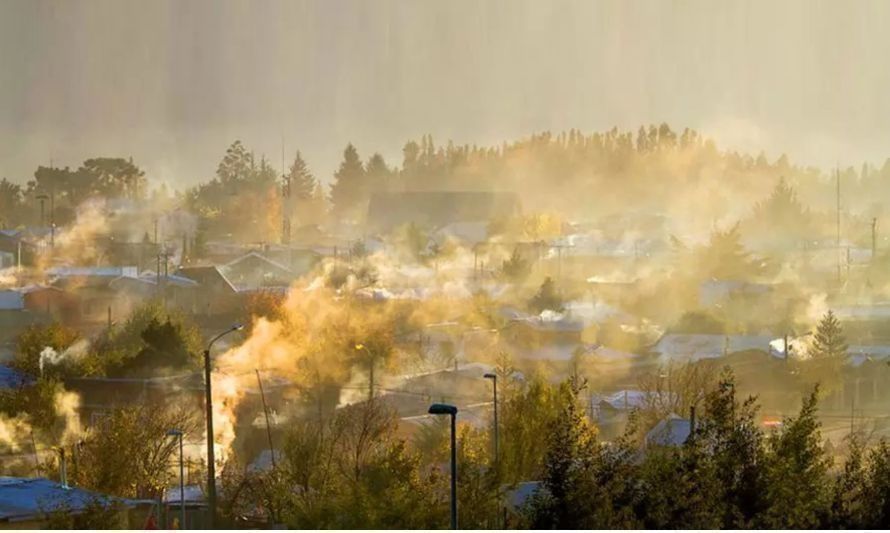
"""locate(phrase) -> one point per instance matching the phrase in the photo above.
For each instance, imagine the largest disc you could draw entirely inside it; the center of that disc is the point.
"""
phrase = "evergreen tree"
(827, 354)
(301, 184)
(377, 175)
(547, 297)
(346, 191)
(517, 268)
(731, 434)
(725, 257)
(797, 473)
(829, 341)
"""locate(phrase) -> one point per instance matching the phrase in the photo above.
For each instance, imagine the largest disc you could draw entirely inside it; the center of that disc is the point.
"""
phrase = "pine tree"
(797, 473)
(377, 175)
(547, 297)
(346, 191)
(827, 354)
(300, 182)
(829, 341)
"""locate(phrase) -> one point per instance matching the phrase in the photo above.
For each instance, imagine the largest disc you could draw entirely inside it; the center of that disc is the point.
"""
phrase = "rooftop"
(24, 498)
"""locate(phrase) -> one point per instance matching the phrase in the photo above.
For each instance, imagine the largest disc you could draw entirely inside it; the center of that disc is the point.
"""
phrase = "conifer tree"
(829, 341)
(300, 180)
(346, 191)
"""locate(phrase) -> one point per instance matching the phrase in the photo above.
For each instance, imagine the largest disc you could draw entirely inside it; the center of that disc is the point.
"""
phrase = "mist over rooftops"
(387, 210)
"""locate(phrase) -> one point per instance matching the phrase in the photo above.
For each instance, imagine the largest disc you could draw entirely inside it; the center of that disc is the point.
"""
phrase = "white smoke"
(74, 352)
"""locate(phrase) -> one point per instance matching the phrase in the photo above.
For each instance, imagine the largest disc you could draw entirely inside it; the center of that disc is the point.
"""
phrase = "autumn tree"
(142, 450)
(12, 204)
(568, 468)
(40, 350)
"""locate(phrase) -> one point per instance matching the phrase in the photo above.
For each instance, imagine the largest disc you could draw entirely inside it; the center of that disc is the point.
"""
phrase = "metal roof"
(25, 498)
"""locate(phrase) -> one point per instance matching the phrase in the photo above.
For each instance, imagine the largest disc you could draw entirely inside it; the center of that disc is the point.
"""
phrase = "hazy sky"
(173, 83)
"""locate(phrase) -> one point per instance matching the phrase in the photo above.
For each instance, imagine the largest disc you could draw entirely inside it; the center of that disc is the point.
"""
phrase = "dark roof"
(438, 208)
(204, 274)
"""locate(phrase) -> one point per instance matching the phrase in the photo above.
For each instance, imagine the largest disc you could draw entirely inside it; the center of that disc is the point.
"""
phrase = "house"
(612, 411)
(215, 294)
(90, 288)
(254, 271)
(25, 503)
(547, 328)
(176, 291)
(195, 506)
(671, 431)
(465, 379)
(686, 347)
(475, 415)
(388, 210)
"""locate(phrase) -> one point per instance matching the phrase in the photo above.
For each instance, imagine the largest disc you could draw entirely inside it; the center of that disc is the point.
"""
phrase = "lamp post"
(445, 409)
(178, 434)
(494, 382)
(208, 396)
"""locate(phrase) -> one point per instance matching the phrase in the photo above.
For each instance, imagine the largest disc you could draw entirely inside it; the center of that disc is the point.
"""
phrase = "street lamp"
(445, 409)
(211, 467)
(494, 382)
(178, 434)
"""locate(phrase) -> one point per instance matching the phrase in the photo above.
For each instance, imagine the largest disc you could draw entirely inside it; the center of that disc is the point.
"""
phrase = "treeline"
(654, 169)
(64, 189)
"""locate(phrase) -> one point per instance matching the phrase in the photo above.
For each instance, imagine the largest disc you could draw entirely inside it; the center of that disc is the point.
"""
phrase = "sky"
(173, 83)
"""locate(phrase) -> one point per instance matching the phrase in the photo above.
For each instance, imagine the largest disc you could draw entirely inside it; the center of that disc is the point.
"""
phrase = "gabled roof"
(672, 431)
(259, 257)
(203, 274)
